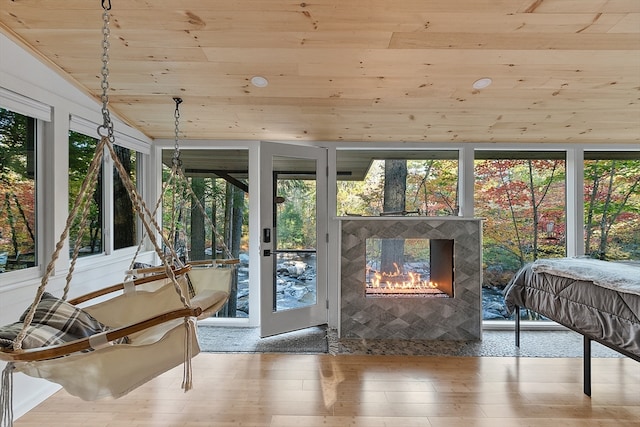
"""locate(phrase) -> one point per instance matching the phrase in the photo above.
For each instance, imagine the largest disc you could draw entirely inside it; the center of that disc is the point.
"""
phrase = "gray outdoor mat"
(217, 339)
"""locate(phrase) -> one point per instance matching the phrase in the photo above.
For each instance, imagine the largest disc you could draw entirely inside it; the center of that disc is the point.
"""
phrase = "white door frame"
(272, 322)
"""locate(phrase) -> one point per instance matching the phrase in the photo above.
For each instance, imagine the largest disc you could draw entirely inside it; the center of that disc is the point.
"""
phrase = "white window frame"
(41, 113)
(142, 150)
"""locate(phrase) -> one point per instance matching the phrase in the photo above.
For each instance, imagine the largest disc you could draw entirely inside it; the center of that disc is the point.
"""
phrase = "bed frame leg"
(517, 326)
(586, 366)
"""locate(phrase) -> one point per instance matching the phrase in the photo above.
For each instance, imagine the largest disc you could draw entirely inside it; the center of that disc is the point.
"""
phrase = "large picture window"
(219, 180)
(522, 197)
(18, 191)
(374, 183)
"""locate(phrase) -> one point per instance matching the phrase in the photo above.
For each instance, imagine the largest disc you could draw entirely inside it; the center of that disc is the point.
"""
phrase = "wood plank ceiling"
(563, 71)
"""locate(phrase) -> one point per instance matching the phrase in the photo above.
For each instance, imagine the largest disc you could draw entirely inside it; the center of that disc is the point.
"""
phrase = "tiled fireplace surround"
(458, 318)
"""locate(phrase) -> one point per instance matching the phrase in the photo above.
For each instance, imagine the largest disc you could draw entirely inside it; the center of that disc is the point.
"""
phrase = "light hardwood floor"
(258, 390)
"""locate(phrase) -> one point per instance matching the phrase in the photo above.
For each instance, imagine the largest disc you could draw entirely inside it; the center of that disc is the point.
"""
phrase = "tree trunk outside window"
(124, 219)
(197, 220)
(395, 187)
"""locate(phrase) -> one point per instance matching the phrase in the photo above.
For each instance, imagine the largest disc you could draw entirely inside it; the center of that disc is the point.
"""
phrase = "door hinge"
(327, 304)
(327, 237)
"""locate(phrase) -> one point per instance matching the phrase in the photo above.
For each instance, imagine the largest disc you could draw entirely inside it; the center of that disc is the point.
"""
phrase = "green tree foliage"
(434, 185)
(519, 198)
(81, 153)
(296, 223)
(431, 189)
(14, 130)
(124, 215)
(225, 207)
(612, 208)
(17, 183)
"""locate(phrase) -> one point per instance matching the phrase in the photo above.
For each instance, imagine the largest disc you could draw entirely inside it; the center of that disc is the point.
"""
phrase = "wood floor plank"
(287, 390)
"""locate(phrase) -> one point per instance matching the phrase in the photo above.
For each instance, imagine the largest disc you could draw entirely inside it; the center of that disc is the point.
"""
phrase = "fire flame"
(399, 281)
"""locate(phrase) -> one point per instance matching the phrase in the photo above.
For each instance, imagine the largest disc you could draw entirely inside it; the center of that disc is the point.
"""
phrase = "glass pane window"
(522, 197)
(612, 205)
(81, 153)
(18, 191)
(219, 181)
(295, 233)
(374, 183)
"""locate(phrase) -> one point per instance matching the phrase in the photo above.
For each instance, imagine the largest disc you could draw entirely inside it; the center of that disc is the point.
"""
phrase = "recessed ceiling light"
(482, 83)
(259, 81)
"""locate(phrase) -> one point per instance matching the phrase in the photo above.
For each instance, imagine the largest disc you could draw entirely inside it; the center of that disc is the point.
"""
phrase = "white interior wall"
(23, 74)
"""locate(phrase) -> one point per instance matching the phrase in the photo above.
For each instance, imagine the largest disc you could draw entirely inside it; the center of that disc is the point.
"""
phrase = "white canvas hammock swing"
(109, 347)
(209, 281)
(95, 346)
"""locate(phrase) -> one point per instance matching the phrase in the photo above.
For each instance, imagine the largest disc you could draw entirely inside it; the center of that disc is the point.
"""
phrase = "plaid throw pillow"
(37, 336)
(55, 321)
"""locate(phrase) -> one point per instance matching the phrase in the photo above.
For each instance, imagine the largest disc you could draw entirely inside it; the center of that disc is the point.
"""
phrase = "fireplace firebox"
(381, 256)
(411, 268)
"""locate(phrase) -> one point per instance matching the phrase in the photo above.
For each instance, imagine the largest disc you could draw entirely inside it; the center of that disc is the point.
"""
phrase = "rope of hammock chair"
(176, 259)
(139, 203)
(176, 170)
(177, 179)
(208, 220)
(83, 200)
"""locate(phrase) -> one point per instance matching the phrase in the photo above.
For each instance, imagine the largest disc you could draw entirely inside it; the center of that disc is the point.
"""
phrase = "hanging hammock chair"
(108, 342)
(146, 335)
(109, 346)
(210, 281)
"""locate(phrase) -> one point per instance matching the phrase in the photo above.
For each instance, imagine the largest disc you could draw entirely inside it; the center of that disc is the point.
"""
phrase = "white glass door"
(293, 250)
